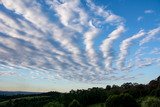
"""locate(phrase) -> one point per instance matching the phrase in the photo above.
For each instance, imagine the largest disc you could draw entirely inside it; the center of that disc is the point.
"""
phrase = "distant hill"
(10, 93)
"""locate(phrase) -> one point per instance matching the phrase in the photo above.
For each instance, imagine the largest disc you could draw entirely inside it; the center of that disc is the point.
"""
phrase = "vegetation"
(126, 95)
(54, 104)
(151, 102)
(74, 103)
(122, 100)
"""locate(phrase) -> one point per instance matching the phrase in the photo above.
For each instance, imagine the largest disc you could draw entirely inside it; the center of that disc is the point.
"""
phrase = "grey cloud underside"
(62, 43)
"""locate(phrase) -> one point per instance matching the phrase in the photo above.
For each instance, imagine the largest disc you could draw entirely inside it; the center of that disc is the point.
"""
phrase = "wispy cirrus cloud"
(151, 35)
(106, 46)
(124, 48)
(89, 37)
(155, 51)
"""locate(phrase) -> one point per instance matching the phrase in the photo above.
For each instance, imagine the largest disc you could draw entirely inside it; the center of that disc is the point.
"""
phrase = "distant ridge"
(10, 93)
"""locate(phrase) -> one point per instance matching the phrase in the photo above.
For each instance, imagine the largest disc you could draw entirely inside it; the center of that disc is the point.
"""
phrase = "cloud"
(151, 35)
(124, 48)
(148, 11)
(106, 46)
(89, 36)
(65, 40)
(6, 73)
(107, 15)
(155, 51)
(139, 18)
(70, 14)
(140, 63)
(32, 39)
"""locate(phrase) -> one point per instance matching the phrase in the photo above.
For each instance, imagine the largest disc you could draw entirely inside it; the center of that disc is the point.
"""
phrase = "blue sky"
(60, 45)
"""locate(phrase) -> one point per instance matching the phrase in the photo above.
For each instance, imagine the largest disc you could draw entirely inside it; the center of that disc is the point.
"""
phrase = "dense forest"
(126, 95)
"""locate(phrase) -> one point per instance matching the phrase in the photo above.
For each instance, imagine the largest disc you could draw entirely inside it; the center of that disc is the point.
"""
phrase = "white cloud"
(70, 14)
(89, 37)
(151, 35)
(139, 18)
(33, 40)
(107, 45)
(107, 15)
(140, 63)
(63, 43)
(124, 48)
(6, 73)
(32, 14)
(155, 51)
(148, 11)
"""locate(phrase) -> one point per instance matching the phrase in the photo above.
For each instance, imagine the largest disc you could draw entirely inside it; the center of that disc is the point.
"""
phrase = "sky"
(59, 45)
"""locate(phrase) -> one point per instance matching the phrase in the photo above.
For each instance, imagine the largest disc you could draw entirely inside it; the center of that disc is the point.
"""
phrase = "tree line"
(127, 95)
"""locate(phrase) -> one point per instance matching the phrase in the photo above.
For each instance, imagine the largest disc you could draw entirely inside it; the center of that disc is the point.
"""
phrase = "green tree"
(74, 103)
(122, 100)
(150, 102)
(108, 87)
(155, 92)
(153, 84)
(127, 85)
(53, 104)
